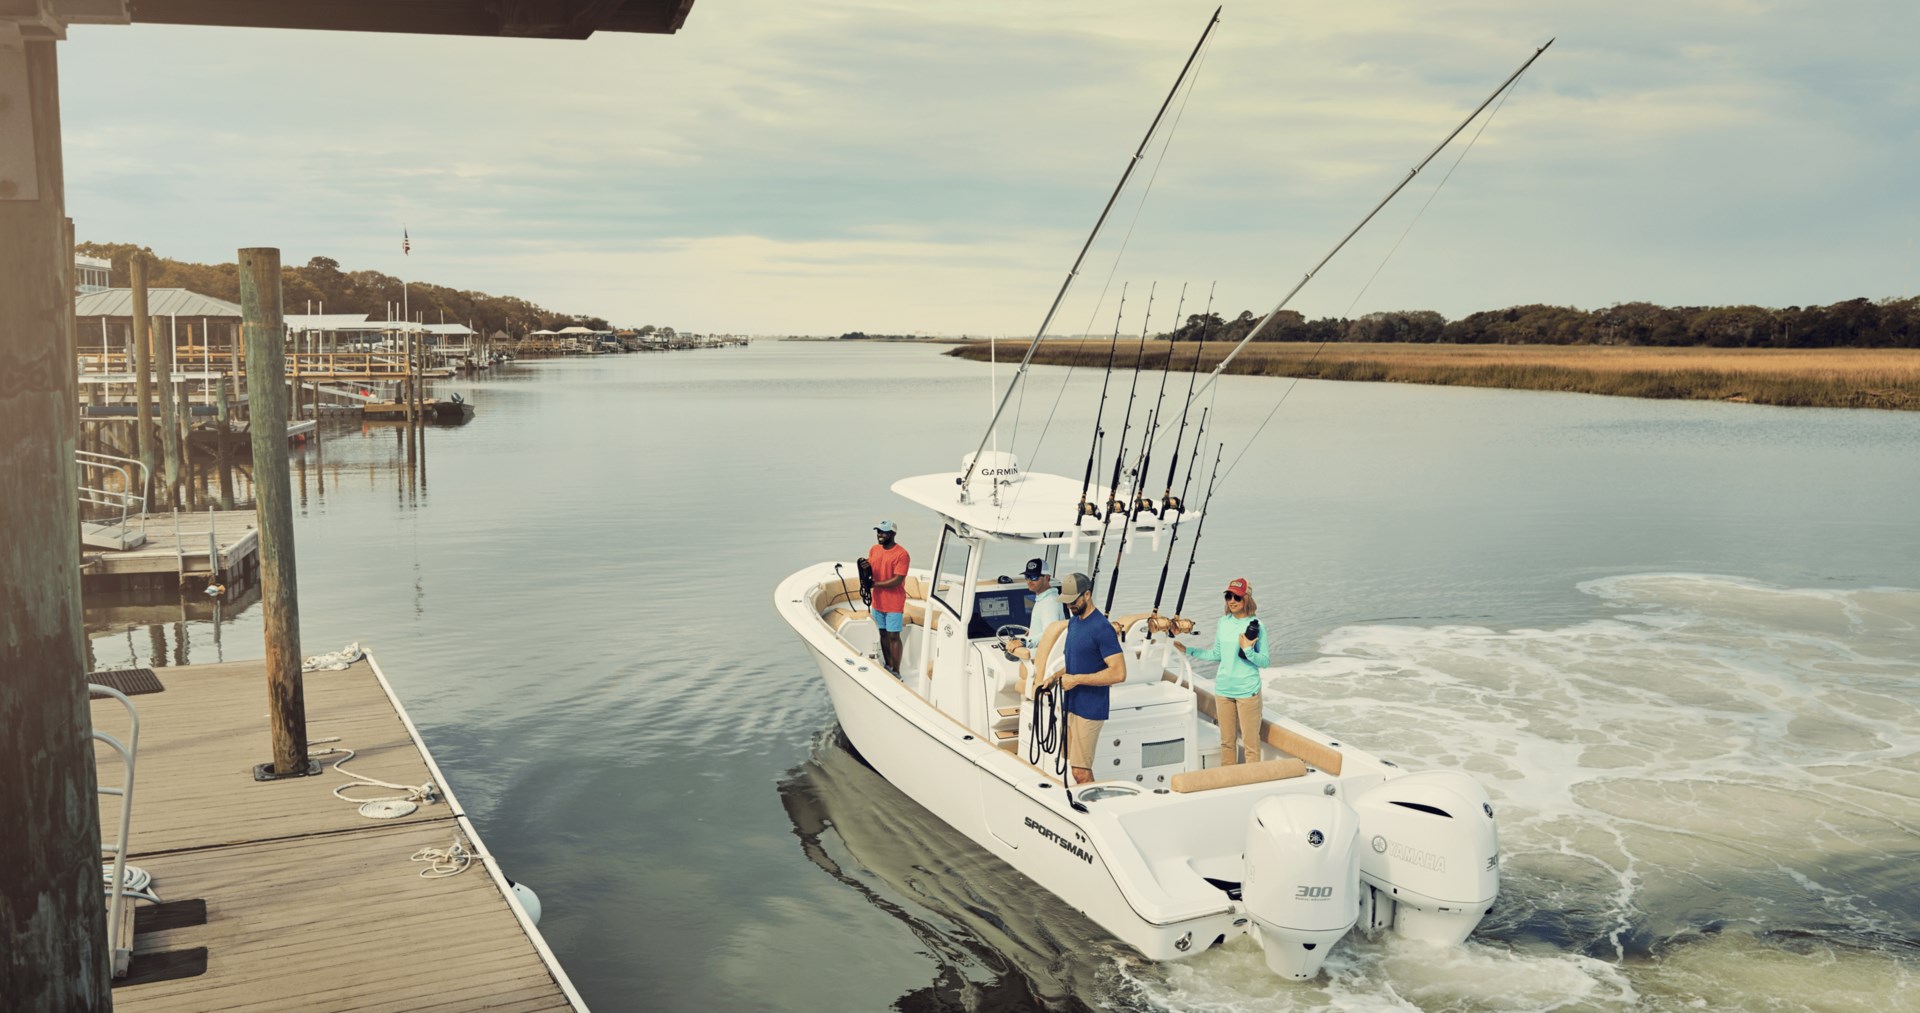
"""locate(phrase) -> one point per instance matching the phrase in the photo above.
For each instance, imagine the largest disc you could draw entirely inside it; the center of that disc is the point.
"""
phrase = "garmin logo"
(1072, 848)
(1414, 856)
(1000, 471)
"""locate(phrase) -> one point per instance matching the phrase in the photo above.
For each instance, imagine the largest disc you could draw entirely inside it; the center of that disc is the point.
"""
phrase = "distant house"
(91, 274)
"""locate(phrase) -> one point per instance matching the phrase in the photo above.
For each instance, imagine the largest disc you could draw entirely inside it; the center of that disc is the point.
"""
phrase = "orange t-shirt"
(888, 564)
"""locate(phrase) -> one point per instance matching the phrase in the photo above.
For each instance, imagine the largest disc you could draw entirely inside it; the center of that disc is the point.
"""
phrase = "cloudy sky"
(899, 166)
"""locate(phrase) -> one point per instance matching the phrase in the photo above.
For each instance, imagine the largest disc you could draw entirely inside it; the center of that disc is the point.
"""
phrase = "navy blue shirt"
(1090, 641)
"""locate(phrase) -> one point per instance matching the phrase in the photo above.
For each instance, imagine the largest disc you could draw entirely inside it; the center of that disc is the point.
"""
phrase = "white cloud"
(881, 166)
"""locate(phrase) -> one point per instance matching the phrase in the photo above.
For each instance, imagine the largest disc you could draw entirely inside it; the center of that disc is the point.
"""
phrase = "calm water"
(1679, 643)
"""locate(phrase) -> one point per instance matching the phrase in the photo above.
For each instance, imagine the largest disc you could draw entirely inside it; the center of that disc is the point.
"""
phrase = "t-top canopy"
(1034, 507)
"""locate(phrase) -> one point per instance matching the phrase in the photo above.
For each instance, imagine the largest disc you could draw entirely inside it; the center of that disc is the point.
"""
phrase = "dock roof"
(161, 302)
(327, 322)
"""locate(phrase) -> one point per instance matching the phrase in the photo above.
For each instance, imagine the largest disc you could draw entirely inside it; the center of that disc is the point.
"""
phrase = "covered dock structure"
(58, 954)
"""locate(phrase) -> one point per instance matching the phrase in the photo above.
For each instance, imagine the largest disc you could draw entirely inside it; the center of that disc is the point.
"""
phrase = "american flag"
(406, 245)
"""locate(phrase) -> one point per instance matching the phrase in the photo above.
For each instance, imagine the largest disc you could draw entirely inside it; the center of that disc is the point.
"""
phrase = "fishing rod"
(1391, 194)
(1160, 592)
(1074, 271)
(1113, 582)
(1140, 501)
(1117, 507)
(1180, 604)
(1093, 446)
(1169, 503)
(1115, 503)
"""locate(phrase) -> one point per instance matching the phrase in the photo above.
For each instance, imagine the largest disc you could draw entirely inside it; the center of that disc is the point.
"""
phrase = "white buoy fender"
(528, 899)
(1302, 878)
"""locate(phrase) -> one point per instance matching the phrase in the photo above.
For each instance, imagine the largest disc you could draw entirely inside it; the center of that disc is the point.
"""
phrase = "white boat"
(1167, 848)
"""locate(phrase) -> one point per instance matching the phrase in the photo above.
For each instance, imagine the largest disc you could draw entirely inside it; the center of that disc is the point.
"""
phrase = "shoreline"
(1883, 378)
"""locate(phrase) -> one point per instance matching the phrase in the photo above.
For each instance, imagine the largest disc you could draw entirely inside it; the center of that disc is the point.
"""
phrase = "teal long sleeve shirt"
(1239, 674)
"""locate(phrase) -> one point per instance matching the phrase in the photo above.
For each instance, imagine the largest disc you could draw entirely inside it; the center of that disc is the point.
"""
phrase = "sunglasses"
(1233, 597)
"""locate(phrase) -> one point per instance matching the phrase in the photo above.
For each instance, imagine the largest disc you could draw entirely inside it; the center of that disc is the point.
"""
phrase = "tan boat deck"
(308, 903)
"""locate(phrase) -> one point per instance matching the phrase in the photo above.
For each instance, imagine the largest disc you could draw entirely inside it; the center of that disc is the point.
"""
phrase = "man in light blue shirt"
(1045, 609)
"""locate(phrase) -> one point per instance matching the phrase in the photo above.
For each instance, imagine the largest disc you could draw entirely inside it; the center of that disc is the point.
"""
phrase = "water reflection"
(998, 941)
(141, 629)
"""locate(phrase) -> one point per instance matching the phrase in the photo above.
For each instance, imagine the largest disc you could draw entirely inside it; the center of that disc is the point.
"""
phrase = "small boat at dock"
(450, 410)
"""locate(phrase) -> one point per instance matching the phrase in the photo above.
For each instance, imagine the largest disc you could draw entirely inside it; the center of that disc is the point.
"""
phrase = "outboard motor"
(1431, 859)
(1302, 883)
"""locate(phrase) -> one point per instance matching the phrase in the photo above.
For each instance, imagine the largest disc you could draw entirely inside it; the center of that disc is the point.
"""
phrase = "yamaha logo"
(1379, 844)
(1316, 838)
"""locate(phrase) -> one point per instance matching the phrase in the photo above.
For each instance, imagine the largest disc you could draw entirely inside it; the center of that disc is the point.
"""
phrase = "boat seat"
(831, 594)
(1318, 755)
(1237, 774)
(839, 618)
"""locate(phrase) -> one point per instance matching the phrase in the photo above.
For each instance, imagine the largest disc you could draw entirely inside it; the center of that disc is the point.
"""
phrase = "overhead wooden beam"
(537, 19)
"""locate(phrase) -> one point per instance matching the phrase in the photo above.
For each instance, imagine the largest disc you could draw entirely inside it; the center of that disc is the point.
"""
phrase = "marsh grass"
(1800, 377)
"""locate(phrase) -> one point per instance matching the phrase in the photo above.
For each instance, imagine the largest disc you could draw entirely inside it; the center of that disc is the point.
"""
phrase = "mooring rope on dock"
(413, 794)
(443, 862)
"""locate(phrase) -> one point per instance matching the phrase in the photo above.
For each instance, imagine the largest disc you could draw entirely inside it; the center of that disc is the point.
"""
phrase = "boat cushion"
(1239, 773)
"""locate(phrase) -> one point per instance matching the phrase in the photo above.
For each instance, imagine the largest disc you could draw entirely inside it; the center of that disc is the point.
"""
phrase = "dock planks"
(309, 903)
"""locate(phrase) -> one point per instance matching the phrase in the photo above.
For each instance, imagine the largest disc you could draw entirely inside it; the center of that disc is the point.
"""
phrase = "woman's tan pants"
(1235, 715)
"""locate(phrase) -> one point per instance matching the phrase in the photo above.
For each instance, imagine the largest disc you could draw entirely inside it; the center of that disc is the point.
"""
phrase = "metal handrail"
(116, 888)
(131, 493)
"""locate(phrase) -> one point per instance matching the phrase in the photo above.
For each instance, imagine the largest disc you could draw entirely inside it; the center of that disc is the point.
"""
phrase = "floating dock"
(222, 546)
(279, 893)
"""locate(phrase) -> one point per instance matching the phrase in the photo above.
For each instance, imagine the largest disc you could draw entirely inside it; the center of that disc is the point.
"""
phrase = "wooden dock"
(306, 902)
(170, 555)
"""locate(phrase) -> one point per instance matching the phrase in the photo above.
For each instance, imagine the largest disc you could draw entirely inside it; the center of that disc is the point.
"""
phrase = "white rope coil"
(443, 862)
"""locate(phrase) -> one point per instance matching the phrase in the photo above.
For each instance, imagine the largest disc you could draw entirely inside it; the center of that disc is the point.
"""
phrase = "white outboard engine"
(1302, 881)
(1430, 859)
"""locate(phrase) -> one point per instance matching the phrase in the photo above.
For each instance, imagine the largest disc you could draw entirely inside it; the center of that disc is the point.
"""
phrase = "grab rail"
(116, 887)
(130, 498)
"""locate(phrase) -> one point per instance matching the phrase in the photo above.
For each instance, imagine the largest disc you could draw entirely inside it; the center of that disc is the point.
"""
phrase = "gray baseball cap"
(1073, 585)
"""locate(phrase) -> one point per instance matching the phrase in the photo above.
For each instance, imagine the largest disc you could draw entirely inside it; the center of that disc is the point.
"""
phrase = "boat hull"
(1015, 811)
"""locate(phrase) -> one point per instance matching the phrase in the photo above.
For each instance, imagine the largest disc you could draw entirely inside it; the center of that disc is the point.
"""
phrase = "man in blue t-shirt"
(1094, 662)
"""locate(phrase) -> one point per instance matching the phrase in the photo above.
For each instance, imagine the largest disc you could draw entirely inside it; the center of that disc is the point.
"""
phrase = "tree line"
(1854, 323)
(333, 290)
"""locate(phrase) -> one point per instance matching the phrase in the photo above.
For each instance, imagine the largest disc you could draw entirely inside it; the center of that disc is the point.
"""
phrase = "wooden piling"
(169, 428)
(265, 335)
(50, 898)
(223, 457)
(142, 336)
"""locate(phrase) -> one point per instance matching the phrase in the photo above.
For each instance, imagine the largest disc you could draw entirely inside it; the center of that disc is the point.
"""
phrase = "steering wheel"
(1007, 632)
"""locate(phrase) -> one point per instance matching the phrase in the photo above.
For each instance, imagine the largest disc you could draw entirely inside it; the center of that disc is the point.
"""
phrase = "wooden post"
(50, 899)
(273, 502)
(169, 431)
(224, 458)
(189, 496)
(142, 333)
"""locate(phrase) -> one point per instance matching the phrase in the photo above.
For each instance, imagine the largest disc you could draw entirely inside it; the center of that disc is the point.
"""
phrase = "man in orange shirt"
(889, 563)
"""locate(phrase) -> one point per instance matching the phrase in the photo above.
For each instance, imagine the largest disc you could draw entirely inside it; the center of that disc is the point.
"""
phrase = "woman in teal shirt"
(1236, 685)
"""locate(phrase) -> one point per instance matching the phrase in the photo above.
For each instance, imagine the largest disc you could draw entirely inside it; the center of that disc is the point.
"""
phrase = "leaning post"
(265, 335)
(51, 905)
